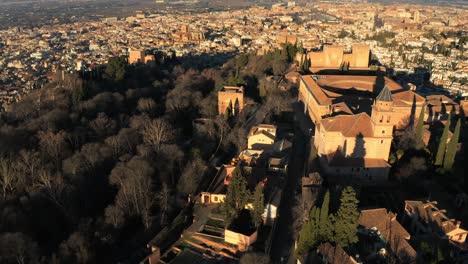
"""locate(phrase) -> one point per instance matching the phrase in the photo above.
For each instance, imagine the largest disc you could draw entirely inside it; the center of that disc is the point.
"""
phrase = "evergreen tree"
(347, 218)
(442, 144)
(341, 67)
(277, 54)
(309, 232)
(301, 64)
(229, 111)
(420, 128)
(116, 68)
(237, 195)
(306, 64)
(300, 49)
(258, 205)
(452, 147)
(325, 225)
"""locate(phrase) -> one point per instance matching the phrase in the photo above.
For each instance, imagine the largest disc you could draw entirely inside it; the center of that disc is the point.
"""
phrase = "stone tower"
(382, 112)
(416, 16)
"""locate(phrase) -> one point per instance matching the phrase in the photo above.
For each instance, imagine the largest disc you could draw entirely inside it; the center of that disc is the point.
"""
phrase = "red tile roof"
(349, 125)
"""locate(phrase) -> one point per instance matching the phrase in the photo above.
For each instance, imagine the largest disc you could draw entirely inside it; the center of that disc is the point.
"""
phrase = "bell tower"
(382, 111)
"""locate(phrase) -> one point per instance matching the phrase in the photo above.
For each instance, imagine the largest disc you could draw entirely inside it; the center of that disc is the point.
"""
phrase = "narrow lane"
(283, 240)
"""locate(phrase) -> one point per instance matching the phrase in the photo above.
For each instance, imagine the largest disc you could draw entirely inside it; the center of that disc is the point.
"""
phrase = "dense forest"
(93, 166)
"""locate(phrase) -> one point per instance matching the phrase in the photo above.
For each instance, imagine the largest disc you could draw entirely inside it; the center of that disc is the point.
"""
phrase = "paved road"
(283, 241)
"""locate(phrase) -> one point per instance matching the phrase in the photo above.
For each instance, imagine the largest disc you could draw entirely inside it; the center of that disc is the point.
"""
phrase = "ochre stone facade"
(354, 128)
(136, 56)
(334, 57)
(186, 36)
(329, 95)
(231, 96)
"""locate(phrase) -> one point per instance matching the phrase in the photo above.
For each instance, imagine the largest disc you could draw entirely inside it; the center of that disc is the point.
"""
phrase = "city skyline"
(233, 131)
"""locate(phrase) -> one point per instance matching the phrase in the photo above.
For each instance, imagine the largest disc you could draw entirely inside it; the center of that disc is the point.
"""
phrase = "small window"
(383, 131)
(381, 141)
(352, 169)
(215, 198)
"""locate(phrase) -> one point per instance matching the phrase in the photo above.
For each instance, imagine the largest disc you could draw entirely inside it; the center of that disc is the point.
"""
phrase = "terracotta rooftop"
(430, 214)
(407, 98)
(349, 125)
(315, 90)
(341, 108)
(335, 255)
(391, 230)
(437, 99)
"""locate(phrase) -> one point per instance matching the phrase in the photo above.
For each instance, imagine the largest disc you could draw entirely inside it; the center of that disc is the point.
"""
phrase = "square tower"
(382, 112)
(231, 97)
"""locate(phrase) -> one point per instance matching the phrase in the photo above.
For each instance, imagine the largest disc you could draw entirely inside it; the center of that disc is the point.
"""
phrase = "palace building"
(330, 95)
(334, 57)
(354, 118)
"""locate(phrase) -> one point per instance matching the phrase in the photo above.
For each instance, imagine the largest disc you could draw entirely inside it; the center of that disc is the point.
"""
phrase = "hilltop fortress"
(354, 118)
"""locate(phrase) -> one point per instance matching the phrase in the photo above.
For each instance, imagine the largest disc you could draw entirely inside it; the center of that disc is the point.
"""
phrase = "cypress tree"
(325, 207)
(258, 205)
(420, 128)
(325, 226)
(301, 64)
(237, 195)
(341, 67)
(277, 55)
(347, 218)
(300, 49)
(227, 114)
(230, 108)
(442, 144)
(308, 234)
(452, 147)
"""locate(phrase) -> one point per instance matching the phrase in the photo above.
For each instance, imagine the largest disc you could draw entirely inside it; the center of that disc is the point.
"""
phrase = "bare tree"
(18, 248)
(54, 187)
(114, 215)
(76, 249)
(53, 145)
(139, 121)
(10, 179)
(102, 125)
(191, 176)
(146, 105)
(96, 154)
(280, 67)
(30, 161)
(124, 142)
(135, 195)
(164, 198)
(170, 158)
(157, 132)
